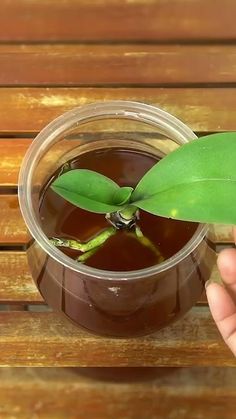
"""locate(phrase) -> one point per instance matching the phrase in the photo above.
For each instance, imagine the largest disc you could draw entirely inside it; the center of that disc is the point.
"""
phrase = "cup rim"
(99, 110)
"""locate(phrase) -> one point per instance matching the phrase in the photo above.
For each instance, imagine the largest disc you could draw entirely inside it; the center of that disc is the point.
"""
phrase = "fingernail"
(214, 281)
(208, 282)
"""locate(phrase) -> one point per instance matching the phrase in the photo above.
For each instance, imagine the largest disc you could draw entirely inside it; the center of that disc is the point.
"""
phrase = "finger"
(227, 266)
(223, 310)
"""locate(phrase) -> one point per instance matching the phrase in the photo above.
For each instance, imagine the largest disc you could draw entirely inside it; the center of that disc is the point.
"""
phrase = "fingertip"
(212, 290)
(227, 265)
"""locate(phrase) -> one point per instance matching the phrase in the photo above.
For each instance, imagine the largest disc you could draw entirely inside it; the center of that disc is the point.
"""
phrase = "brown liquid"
(117, 307)
(121, 252)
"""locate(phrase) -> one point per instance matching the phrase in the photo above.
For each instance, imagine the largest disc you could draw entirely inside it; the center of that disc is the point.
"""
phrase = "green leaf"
(196, 182)
(123, 195)
(91, 191)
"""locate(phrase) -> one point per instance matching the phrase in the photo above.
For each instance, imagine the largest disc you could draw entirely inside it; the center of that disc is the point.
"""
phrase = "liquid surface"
(121, 252)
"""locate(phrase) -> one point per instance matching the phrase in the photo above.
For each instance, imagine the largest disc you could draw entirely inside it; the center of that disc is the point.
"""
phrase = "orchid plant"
(196, 182)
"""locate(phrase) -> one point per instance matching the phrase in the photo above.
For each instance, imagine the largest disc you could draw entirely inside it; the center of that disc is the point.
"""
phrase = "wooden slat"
(16, 283)
(221, 233)
(116, 20)
(116, 64)
(47, 339)
(13, 230)
(30, 109)
(105, 393)
(12, 153)
(17, 286)
(12, 226)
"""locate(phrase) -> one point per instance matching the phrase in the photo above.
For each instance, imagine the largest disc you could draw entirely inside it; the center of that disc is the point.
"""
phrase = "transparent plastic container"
(122, 304)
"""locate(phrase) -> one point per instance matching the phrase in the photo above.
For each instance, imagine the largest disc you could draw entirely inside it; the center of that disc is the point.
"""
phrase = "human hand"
(222, 298)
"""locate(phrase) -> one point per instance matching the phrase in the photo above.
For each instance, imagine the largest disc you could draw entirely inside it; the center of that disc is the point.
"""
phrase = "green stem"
(82, 258)
(99, 239)
(91, 247)
(128, 212)
(61, 242)
(84, 247)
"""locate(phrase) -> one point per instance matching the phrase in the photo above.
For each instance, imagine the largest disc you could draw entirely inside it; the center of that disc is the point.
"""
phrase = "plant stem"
(90, 247)
(82, 258)
(124, 219)
(84, 247)
(128, 212)
(99, 239)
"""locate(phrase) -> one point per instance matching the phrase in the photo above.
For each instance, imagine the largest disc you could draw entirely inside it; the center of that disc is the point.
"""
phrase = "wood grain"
(12, 152)
(28, 110)
(97, 20)
(16, 283)
(124, 392)
(117, 65)
(12, 227)
(47, 339)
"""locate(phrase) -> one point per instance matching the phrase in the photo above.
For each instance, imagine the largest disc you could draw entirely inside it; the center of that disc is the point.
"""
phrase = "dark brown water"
(121, 252)
(118, 307)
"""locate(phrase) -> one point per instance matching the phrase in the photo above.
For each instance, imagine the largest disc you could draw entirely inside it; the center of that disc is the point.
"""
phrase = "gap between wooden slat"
(28, 110)
(47, 339)
(101, 20)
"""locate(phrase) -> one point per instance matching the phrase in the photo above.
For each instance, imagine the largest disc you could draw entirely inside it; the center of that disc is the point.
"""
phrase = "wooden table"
(55, 55)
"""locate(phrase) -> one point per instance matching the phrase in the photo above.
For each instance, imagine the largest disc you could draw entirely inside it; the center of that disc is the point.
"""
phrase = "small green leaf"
(91, 191)
(123, 195)
(196, 182)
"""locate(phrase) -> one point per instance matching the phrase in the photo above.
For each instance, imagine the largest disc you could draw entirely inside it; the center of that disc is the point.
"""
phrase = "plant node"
(125, 219)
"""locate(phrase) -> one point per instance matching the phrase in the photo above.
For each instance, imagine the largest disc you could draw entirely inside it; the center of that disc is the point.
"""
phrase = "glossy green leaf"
(122, 195)
(91, 191)
(196, 182)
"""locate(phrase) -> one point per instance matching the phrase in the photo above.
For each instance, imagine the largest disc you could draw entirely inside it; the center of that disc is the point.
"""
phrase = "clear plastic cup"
(122, 304)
